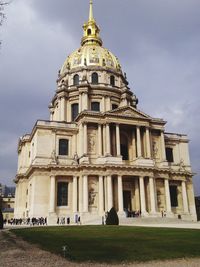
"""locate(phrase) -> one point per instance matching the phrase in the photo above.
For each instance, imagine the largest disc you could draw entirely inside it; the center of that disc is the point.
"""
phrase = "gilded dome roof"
(91, 55)
(91, 52)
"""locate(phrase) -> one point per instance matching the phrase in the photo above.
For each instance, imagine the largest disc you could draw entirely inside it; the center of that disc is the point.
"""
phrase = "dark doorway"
(124, 152)
(127, 200)
(173, 195)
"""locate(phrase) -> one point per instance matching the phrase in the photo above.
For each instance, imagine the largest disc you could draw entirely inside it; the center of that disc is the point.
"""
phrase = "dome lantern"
(91, 30)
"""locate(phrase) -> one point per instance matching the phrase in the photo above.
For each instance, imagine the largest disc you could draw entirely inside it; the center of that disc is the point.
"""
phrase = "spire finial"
(91, 11)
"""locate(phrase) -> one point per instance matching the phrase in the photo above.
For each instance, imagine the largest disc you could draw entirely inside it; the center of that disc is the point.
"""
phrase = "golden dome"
(91, 55)
(91, 52)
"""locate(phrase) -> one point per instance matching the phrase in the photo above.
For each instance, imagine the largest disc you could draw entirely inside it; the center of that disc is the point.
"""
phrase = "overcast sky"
(156, 41)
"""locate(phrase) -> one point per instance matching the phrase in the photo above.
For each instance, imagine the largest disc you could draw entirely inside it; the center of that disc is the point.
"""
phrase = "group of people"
(132, 213)
(27, 221)
(63, 220)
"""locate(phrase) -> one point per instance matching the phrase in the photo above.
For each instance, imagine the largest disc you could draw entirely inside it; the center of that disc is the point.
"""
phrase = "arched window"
(112, 80)
(62, 194)
(89, 32)
(76, 79)
(63, 147)
(74, 111)
(95, 106)
(95, 78)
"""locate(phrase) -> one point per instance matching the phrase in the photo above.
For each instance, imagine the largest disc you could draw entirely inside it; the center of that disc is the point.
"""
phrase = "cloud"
(157, 43)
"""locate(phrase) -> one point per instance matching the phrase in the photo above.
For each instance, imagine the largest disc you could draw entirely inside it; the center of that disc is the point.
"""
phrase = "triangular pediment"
(128, 112)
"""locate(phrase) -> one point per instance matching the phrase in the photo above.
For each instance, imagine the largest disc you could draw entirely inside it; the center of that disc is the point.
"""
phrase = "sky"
(156, 41)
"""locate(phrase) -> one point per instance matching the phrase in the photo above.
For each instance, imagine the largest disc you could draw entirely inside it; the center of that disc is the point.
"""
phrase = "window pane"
(95, 106)
(74, 111)
(173, 195)
(63, 147)
(62, 194)
(95, 78)
(169, 154)
(76, 79)
(112, 80)
(114, 106)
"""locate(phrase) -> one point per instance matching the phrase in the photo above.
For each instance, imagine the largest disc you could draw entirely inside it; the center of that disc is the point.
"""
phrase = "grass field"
(115, 243)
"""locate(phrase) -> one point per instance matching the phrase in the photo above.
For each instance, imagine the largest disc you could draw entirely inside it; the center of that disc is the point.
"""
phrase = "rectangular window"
(62, 194)
(63, 147)
(74, 111)
(169, 154)
(95, 106)
(173, 195)
(114, 106)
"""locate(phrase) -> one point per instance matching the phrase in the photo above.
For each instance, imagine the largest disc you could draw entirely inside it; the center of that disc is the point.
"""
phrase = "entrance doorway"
(124, 146)
(127, 200)
(124, 152)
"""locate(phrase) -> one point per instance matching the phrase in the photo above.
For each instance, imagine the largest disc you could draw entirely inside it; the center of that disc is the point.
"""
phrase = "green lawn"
(116, 243)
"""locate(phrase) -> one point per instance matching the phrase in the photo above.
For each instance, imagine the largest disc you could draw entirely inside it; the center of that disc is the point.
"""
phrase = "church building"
(98, 150)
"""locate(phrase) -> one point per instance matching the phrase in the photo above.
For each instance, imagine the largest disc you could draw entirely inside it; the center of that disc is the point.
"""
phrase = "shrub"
(1, 220)
(112, 218)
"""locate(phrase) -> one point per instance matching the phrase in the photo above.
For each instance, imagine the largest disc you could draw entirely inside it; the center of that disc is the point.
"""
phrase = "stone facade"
(98, 150)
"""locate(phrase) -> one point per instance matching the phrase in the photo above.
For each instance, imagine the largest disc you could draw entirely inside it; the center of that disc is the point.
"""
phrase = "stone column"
(81, 139)
(148, 147)
(152, 195)
(139, 149)
(185, 198)
(101, 198)
(137, 195)
(69, 117)
(104, 139)
(133, 145)
(80, 193)
(99, 139)
(85, 141)
(191, 200)
(62, 109)
(103, 104)
(109, 192)
(75, 200)
(80, 102)
(75, 143)
(108, 104)
(107, 139)
(85, 193)
(120, 195)
(118, 140)
(167, 196)
(84, 101)
(163, 146)
(52, 194)
(142, 196)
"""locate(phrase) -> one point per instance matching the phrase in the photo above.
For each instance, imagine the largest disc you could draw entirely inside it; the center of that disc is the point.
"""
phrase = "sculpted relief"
(92, 141)
(93, 192)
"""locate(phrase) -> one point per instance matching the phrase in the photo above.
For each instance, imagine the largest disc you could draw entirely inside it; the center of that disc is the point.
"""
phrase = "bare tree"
(2, 14)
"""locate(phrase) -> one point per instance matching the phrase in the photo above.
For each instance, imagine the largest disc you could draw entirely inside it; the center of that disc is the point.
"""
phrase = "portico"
(97, 194)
